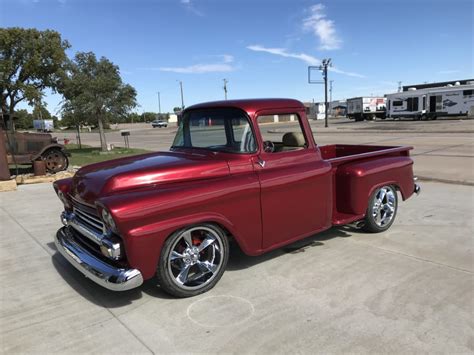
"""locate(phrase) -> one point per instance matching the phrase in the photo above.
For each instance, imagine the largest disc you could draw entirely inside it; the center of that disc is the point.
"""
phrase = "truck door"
(295, 182)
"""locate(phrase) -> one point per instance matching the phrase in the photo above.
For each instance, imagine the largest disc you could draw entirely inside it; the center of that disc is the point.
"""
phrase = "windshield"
(225, 129)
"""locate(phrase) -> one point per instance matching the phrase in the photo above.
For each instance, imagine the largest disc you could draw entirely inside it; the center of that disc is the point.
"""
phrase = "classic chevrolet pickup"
(246, 170)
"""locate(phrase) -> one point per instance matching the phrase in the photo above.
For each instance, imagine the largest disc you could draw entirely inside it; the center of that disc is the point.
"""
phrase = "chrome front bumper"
(108, 276)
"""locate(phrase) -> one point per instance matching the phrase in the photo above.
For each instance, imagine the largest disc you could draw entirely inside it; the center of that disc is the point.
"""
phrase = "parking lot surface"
(408, 290)
(444, 149)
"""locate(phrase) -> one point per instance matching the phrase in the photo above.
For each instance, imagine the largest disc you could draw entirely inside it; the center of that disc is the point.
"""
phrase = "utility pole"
(225, 88)
(159, 104)
(182, 99)
(324, 69)
(399, 86)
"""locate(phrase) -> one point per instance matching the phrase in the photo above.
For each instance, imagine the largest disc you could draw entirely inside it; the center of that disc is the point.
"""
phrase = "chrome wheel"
(196, 257)
(384, 206)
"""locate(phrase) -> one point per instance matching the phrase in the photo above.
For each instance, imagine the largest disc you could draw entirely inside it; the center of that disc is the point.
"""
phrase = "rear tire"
(381, 210)
(193, 260)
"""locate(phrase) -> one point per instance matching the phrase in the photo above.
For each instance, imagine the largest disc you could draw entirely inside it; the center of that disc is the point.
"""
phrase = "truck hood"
(101, 179)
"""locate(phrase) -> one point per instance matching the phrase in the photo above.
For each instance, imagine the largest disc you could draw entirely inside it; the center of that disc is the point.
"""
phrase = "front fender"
(48, 147)
(147, 217)
(143, 245)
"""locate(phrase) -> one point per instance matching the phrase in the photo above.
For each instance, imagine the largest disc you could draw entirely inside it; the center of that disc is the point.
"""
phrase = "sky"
(262, 47)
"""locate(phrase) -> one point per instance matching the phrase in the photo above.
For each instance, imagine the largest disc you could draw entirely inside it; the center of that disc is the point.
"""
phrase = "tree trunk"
(103, 142)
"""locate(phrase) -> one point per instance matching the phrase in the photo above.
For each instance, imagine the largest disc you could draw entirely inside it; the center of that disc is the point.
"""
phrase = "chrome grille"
(87, 216)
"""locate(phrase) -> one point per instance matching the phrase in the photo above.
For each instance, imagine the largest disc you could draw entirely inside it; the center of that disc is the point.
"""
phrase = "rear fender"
(356, 182)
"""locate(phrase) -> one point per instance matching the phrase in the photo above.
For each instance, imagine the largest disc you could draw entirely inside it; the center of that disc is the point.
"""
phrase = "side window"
(282, 133)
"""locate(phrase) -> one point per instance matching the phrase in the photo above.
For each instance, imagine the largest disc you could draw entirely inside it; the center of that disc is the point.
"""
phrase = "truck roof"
(252, 105)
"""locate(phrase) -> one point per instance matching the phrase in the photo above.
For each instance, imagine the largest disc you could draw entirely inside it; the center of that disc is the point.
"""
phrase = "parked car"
(159, 123)
(25, 148)
(232, 173)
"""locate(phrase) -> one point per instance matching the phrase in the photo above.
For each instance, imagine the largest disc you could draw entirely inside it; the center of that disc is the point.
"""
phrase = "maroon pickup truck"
(244, 170)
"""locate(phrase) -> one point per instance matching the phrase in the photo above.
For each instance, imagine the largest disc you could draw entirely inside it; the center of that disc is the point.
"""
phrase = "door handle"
(261, 162)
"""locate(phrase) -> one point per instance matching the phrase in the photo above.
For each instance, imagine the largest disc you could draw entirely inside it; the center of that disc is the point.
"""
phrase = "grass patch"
(88, 155)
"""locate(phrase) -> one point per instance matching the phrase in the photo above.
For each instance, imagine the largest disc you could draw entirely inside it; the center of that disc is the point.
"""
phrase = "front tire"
(381, 210)
(193, 260)
(55, 160)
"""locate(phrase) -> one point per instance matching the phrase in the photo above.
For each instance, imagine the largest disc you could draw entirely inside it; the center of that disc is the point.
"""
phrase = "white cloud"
(227, 58)
(224, 66)
(308, 59)
(188, 5)
(348, 73)
(322, 28)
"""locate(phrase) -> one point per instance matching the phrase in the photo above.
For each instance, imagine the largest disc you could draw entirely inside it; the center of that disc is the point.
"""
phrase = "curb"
(445, 181)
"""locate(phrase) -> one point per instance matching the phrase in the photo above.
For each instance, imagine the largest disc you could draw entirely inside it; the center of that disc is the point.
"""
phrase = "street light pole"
(330, 90)
(325, 63)
(324, 67)
(159, 103)
(182, 99)
(225, 88)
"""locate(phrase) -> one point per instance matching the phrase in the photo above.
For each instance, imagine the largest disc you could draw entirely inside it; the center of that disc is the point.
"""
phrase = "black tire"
(55, 160)
(381, 210)
(177, 256)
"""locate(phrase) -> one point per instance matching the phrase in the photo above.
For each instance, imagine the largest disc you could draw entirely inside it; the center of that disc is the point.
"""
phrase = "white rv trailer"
(430, 103)
(365, 108)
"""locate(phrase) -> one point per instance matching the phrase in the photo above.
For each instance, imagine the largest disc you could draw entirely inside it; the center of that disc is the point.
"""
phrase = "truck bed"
(357, 169)
(338, 154)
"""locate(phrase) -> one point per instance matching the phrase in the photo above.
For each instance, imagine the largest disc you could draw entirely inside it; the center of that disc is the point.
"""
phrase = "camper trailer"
(366, 108)
(431, 103)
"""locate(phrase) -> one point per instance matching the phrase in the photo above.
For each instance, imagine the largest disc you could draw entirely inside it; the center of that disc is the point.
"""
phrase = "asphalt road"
(408, 290)
(444, 149)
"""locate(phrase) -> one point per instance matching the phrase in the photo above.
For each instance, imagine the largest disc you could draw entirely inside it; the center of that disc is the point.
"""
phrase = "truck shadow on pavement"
(97, 294)
(237, 261)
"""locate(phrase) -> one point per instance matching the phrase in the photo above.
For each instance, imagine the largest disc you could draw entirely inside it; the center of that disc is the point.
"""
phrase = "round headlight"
(108, 220)
(63, 199)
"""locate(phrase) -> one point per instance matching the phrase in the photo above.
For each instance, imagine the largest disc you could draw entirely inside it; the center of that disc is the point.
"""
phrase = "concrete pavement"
(408, 290)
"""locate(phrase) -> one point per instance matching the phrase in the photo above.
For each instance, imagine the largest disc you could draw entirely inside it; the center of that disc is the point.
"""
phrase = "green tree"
(41, 113)
(30, 61)
(23, 119)
(94, 88)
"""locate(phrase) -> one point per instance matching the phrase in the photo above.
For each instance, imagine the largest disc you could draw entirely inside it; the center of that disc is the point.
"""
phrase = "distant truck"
(366, 108)
(43, 125)
(431, 103)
